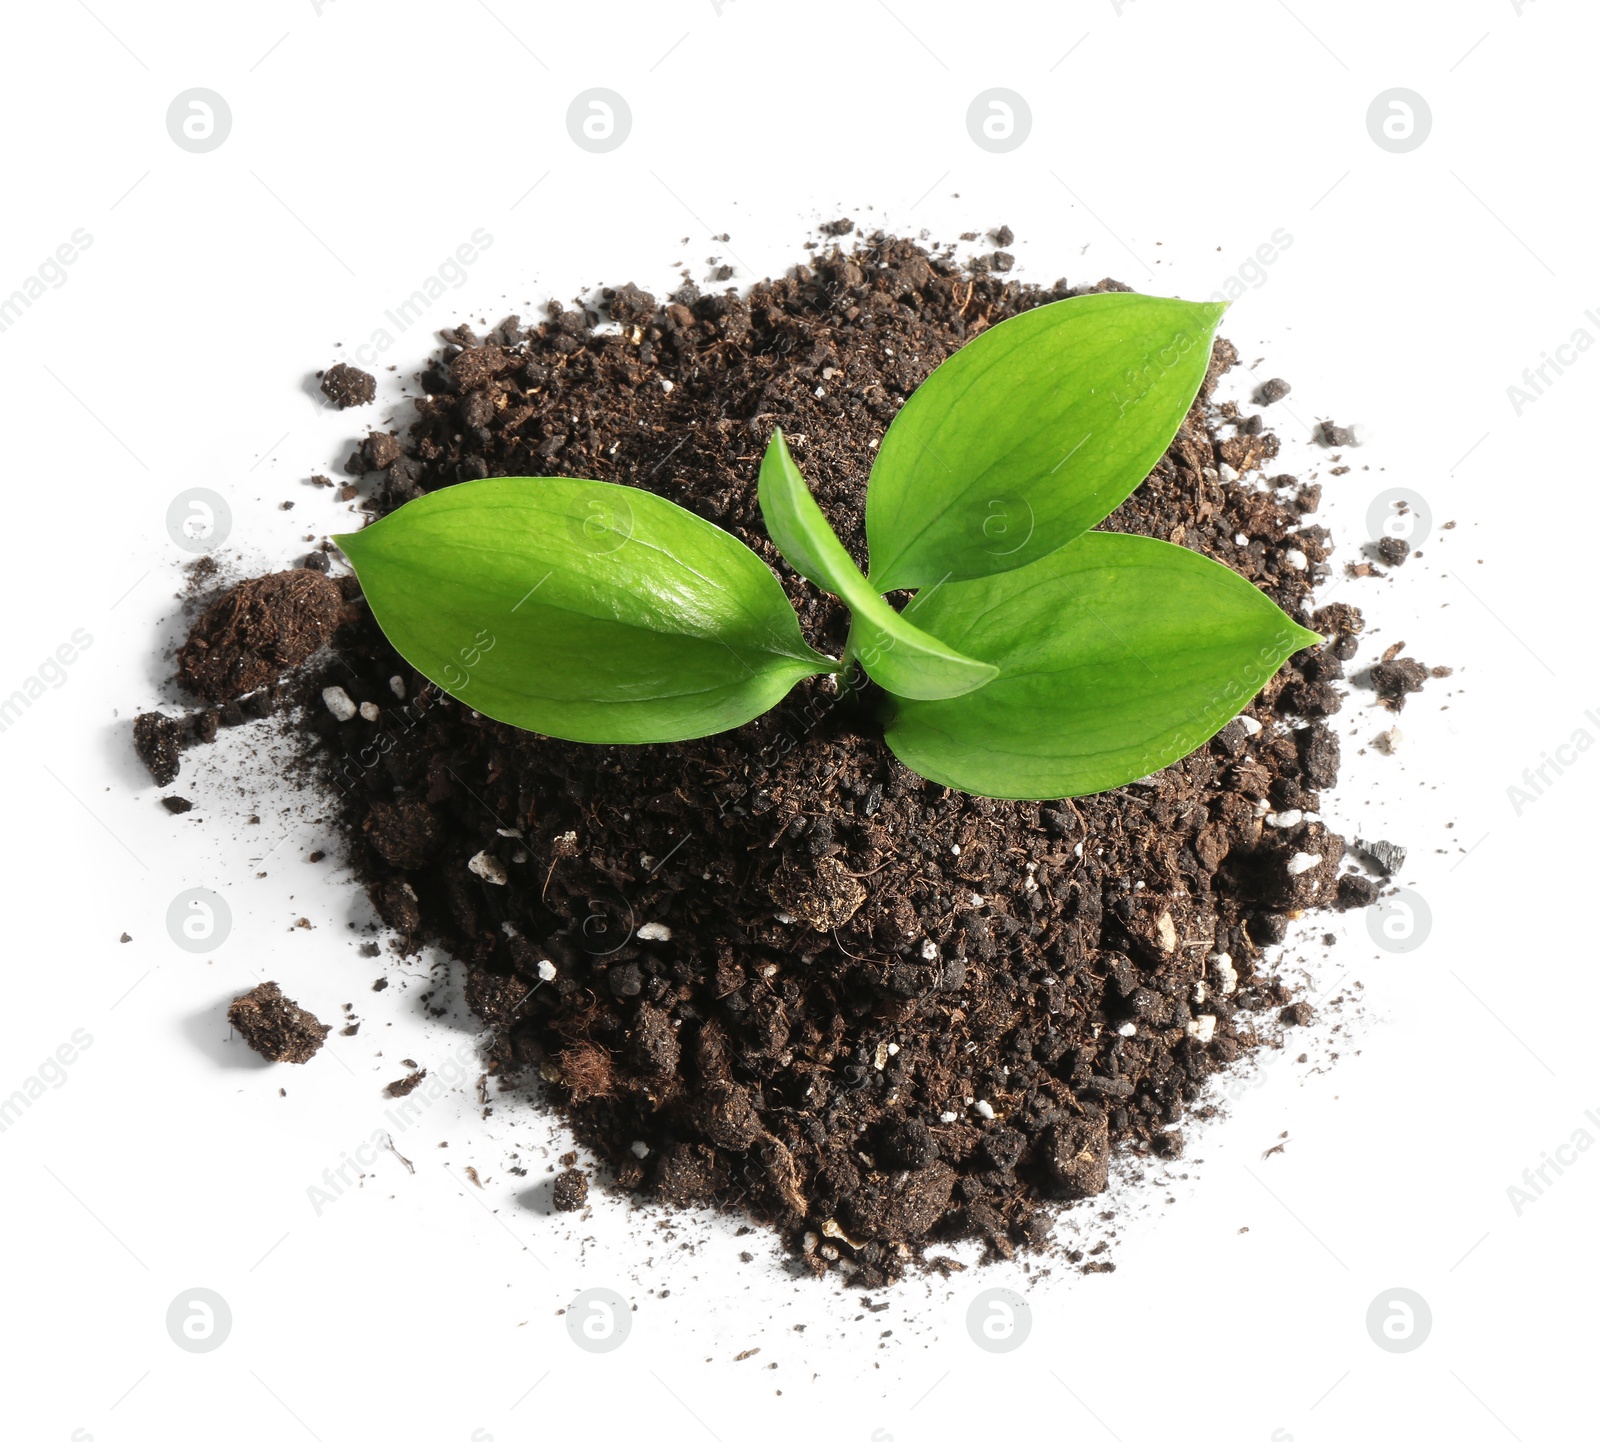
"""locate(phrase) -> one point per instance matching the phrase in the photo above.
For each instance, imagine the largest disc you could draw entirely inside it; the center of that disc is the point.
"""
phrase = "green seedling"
(1035, 659)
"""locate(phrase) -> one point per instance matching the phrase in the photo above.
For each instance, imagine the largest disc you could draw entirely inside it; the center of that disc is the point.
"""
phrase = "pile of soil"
(774, 970)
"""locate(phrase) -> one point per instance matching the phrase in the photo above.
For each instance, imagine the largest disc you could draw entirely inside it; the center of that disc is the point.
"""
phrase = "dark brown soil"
(1395, 677)
(156, 740)
(570, 1190)
(406, 1084)
(773, 970)
(274, 1026)
(256, 630)
(346, 386)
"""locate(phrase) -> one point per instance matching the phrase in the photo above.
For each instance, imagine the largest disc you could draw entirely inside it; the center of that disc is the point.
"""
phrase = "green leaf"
(897, 655)
(1031, 434)
(1117, 655)
(582, 610)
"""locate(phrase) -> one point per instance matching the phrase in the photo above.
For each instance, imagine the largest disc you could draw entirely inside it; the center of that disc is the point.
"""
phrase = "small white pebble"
(829, 372)
(655, 931)
(1296, 559)
(1226, 474)
(1202, 1027)
(784, 919)
(509, 929)
(1263, 806)
(369, 711)
(338, 702)
(974, 900)
(547, 970)
(819, 393)
(1283, 820)
(519, 856)
(1201, 992)
(1240, 539)
(894, 1048)
(1302, 862)
(955, 849)
(1252, 727)
(398, 687)
(1228, 978)
(1389, 741)
(930, 952)
(984, 1110)
(947, 1117)
(640, 1150)
(1078, 849)
(1127, 1029)
(666, 385)
(490, 868)
(506, 831)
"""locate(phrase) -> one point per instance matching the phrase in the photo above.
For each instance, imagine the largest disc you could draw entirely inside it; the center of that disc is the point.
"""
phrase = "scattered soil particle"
(773, 970)
(570, 1191)
(346, 386)
(1393, 550)
(255, 631)
(406, 1084)
(275, 1027)
(1273, 390)
(1356, 890)
(177, 805)
(1334, 436)
(1396, 677)
(155, 739)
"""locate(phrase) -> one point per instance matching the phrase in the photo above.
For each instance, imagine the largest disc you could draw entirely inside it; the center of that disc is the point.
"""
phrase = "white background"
(1168, 142)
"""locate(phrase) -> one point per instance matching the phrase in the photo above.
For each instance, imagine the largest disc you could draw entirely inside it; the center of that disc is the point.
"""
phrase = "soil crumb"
(406, 1084)
(257, 629)
(275, 1027)
(346, 386)
(570, 1190)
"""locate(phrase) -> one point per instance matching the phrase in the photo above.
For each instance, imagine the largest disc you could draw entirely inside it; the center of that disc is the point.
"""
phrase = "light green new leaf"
(1031, 434)
(1117, 655)
(582, 610)
(897, 655)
